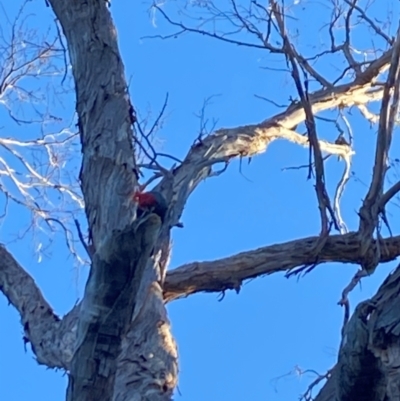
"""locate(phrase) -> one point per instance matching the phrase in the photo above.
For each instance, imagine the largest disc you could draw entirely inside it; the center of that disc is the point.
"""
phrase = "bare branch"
(250, 140)
(369, 210)
(341, 184)
(229, 273)
(365, 17)
(371, 117)
(23, 60)
(308, 395)
(322, 196)
(38, 319)
(183, 29)
(388, 195)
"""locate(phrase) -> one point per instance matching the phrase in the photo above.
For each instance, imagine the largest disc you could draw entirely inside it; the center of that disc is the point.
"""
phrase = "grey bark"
(229, 273)
(368, 367)
(122, 247)
(110, 299)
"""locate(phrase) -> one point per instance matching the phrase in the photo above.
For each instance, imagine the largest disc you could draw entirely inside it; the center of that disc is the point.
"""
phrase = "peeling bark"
(368, 365)
(359, 373)
(40, 323)
(116, 280)
(104, 119)
(107, 308)
(229, 273)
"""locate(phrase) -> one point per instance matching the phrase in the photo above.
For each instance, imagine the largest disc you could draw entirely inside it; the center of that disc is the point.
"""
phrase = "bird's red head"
(152, 201)
(144, 199)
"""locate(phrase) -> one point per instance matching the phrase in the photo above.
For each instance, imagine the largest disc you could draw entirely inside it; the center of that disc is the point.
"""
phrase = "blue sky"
(247, 346)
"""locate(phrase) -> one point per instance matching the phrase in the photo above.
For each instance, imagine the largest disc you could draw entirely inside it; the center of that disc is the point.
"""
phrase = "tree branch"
(388, 195)
(370, 208)
(249, 140)
(229, 273)
(315, 150)
(40, 323)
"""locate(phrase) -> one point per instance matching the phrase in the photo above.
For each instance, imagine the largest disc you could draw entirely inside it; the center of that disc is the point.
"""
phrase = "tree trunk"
(104, 367)
(368, 367)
